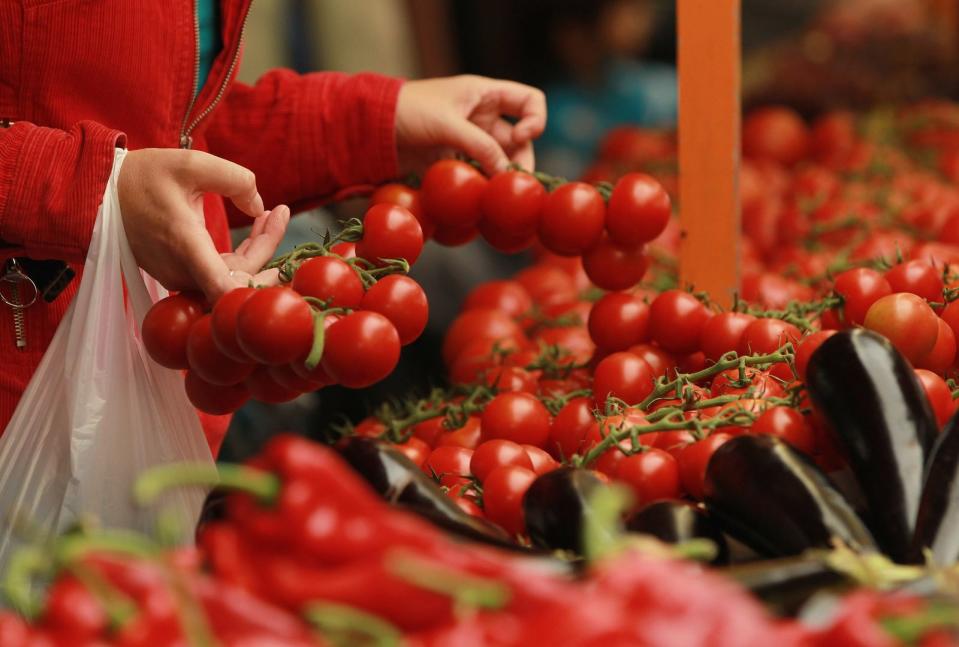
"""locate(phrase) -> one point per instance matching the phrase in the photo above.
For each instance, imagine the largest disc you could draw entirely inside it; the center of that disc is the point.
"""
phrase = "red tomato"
(166, 327)
(275, 326)
(415, 450)
(542, 462)
(480, 357)
(939, 395)
(767, 335)
(468, 436)
(208, 361)
(860, 288)
(570, 428)
(511, 206)
(264, 388)
(329, 279)
(503, 493)
(651, 475)
(950, 315)
(807, 346)
(659, 360)
(506, 296)
(612, 266)
(225, 314)
(451, 192)
(479, 324)
(917, 277)
(511, 378)
(574, 340)
(370, 427)
(406, 197)
(676, 321)
(943, 354)
(390, 232)
(722, 333)
(361, 349)
(572, 219)
(519, 417)
(624, 376)
(907, 321)
(760, 383)
(495, 453)
(674, 441)
(789, 425)
(693, 460)
(455, 236)
(449, 465)
(608, 462)
(638, 210)
(618, 321)
(548, 285)
(466, 505)
(287, 377)
(212, 399)
(401, 300)
(345, 250)
(775, 133)
(430, 430)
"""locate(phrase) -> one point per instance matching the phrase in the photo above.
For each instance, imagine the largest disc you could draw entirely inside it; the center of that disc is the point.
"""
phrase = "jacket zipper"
(186, 141)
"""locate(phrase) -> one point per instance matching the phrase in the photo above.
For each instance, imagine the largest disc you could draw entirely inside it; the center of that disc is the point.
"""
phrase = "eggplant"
(776, 501)
(398, 480)
(556, 508)
(937, 524)
(786, 584)
(873, 403)
(677, 521)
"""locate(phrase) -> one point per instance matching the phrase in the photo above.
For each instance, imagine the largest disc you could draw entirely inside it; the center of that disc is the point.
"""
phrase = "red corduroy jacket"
(80, 77)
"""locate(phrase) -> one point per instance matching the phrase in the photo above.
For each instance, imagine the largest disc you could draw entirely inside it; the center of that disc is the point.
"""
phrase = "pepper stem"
(467, 591)
(157, 480)
(346, 626)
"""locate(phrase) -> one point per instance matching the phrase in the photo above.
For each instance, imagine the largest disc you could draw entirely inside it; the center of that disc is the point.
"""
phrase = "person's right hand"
(161, 199)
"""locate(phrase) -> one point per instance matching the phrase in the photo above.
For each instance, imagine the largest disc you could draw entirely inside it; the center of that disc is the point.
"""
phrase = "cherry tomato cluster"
(607, 225)
(340, 317)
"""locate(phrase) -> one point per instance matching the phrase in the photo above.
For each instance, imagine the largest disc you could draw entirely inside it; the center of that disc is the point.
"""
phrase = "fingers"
(210, 173)
(478, 144)
(254, 252)
(524, 157)
(204, 263)
(522, 101)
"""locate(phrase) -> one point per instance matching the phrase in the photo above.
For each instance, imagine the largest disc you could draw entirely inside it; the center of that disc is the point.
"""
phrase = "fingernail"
(258, 204)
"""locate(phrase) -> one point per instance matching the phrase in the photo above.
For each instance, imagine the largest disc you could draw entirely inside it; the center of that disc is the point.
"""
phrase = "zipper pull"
(186, 141)
(18, 291)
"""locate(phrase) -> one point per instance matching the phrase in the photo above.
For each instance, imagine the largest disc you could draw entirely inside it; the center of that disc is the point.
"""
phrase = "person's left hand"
(437, 117)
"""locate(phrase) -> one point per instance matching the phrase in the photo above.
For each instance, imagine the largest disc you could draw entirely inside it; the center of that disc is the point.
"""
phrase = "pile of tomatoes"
(561, 366)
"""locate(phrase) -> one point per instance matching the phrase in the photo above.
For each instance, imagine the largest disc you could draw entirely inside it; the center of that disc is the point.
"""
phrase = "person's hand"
(436, 117)
(161, 199)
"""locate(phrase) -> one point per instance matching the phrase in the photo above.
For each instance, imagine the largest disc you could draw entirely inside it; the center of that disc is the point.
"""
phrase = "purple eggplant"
(677, 521)
(776, 501)
(557, 507)
(875, 407)
(937, 524)
(394, 477)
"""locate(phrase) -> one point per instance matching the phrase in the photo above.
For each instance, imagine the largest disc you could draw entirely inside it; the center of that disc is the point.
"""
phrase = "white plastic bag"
(98, 411)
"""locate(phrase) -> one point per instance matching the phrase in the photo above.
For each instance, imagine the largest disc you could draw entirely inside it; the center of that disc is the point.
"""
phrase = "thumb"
(478, 144)
(217, 175)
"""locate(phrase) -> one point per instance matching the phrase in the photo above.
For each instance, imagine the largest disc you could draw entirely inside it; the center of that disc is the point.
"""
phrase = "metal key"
(18, 291)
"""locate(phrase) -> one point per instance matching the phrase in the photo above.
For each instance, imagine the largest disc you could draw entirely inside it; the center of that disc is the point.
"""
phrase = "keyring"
(16, 278)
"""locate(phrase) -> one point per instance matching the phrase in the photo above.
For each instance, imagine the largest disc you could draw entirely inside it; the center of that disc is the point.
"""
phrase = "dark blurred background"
(602, 63)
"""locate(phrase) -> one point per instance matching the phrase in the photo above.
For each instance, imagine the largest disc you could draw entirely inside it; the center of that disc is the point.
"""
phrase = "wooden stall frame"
(708, 57)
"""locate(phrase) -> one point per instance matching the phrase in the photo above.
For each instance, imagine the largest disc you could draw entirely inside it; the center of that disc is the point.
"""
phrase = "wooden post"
(708, 54)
